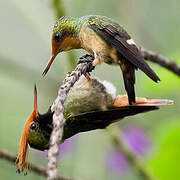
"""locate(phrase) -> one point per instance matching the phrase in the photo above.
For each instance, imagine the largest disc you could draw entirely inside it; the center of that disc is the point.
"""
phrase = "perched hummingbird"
(90, 105)
(106, 40)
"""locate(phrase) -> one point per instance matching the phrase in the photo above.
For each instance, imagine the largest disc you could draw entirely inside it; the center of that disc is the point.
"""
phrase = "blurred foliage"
(25, 36)
(165, 160)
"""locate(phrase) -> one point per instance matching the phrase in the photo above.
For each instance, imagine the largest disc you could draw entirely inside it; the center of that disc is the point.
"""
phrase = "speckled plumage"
(67, 24)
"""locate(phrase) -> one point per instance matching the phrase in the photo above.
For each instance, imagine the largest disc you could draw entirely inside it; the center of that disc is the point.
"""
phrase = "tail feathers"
(129, 86)
(149, 72)
(122, 101)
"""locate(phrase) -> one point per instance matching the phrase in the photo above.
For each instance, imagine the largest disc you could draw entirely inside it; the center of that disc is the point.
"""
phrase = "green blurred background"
(25, 46)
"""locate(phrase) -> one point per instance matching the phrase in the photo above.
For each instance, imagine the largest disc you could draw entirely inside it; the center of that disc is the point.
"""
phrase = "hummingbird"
(90, 104)
(104, 39)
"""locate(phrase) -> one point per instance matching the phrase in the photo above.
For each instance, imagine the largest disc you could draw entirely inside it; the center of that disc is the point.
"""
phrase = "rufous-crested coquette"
(90, 104)
(106, 40)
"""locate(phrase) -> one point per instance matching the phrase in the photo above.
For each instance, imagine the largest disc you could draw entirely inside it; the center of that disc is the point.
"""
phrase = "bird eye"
(33, 126)
(57, 36)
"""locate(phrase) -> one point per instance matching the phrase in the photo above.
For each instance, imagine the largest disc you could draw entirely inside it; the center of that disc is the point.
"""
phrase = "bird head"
(64, 38)
(34, 135)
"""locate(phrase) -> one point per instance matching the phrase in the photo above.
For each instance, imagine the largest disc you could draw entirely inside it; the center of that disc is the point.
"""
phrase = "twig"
(161, 60)
(38, 170)
(131, 158)
(58, 118)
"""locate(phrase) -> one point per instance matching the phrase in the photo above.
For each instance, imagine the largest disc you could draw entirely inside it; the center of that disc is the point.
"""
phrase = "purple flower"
(137, 141)
(116, 161)
(68, 145)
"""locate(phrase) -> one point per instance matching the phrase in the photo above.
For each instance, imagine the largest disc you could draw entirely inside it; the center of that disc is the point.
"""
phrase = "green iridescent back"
(73, 25)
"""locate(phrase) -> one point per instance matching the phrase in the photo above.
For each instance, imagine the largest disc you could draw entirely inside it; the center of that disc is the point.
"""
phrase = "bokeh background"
(25, 47)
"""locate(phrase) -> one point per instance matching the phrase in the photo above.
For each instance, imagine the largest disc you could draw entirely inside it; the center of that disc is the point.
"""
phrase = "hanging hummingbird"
(90, 105)
(106, 40)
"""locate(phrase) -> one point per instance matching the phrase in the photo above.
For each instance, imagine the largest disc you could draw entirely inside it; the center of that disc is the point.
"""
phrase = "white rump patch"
(110, 88)
(131, 42)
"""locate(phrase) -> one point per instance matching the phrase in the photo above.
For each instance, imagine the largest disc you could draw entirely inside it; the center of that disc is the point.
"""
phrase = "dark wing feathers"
(100, 119)
(119, 40)
(108, 116)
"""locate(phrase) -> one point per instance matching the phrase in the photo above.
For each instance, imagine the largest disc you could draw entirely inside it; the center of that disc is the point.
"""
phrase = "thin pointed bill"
(49, 64)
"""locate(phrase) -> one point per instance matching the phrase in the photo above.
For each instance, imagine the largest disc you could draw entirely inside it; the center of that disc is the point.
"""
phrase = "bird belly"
(97, 47)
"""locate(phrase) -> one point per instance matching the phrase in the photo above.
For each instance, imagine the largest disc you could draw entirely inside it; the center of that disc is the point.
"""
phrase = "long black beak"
(49, 64)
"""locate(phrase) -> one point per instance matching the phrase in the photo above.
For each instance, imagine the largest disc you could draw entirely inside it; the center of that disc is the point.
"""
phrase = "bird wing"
(100, 119)
(118, 38)
(111, 115)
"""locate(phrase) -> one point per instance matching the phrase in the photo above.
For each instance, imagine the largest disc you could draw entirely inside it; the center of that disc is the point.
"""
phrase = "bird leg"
(98, 59)
(96, 62)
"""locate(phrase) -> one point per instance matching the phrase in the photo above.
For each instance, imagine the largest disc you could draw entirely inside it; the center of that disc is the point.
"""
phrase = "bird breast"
(95, 45)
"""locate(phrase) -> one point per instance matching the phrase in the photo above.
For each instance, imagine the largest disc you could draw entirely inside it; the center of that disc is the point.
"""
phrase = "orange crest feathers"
(21, 159)
(23, 145)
